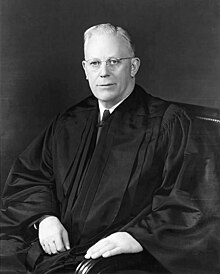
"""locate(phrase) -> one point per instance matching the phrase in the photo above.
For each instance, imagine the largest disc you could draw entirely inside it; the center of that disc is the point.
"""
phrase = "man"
(111, 81)
(96, 187)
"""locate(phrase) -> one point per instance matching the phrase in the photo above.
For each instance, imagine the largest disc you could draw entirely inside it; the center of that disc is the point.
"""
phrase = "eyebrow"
(101, 59)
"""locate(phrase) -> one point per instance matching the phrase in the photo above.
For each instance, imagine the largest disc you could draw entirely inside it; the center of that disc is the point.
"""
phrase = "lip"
(106, 85)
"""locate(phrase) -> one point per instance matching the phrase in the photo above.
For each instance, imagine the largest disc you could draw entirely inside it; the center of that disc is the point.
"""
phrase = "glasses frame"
(107, 62)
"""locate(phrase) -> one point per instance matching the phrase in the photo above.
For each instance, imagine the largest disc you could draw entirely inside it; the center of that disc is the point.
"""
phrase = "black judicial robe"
(136, 182)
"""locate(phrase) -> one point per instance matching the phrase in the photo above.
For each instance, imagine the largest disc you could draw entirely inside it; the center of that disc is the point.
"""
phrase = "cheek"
(91, 80)
(124, 79)
(125, 75)
(92, 83)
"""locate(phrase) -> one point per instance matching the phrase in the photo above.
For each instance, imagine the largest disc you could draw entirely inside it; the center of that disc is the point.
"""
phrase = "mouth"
(106, 85)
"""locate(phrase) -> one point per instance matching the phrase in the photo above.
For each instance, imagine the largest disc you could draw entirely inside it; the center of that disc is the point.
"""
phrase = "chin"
(105, 96)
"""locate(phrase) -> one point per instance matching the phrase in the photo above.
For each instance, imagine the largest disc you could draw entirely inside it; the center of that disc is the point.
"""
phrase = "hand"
(53, 236)
(116, 243)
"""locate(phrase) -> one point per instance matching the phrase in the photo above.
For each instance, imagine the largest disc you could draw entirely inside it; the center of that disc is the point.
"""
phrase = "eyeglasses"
(112, 63)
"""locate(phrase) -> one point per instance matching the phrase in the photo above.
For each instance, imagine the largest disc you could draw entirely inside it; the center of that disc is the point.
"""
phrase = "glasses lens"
(94, 64)
(113, 62)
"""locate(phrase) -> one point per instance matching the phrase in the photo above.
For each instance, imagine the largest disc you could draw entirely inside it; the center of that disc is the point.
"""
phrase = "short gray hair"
(108, 29)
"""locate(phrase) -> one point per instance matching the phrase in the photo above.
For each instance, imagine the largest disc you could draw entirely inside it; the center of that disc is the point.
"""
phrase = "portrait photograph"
(110, 136)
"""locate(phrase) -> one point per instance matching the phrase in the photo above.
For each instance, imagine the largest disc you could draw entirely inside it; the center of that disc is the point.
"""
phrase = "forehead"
(105, 45)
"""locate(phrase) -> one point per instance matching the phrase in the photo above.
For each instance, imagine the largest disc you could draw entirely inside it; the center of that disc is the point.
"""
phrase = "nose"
(104, 72)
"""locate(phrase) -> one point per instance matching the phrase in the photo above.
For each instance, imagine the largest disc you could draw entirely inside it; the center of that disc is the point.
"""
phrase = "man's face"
(110, 85)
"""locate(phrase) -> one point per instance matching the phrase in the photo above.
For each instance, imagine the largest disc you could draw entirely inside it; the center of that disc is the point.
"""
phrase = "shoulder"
(75, 114)
(167, 112)
(159, 105)
(175, 114)
(155, 106)
(81, 107)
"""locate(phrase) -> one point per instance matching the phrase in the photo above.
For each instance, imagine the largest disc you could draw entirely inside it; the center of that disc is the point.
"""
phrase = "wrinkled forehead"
(109, 45)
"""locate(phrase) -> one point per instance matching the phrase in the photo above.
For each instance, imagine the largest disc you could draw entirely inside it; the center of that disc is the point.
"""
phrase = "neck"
(111, 104)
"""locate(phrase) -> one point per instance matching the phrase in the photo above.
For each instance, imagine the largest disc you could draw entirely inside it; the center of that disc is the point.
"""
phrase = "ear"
(84, 67)
(135, 64)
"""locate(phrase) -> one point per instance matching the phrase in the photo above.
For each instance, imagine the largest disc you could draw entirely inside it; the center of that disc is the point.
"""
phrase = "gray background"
(41, 45)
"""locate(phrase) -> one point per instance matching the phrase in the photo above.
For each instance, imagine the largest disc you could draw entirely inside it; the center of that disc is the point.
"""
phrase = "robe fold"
(139, 178)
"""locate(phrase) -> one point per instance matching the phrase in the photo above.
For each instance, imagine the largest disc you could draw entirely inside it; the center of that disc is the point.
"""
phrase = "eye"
(113, 62)
(94, 63)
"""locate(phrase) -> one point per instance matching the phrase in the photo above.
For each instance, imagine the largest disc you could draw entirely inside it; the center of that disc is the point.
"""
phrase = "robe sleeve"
(182, 228)
(29, 191)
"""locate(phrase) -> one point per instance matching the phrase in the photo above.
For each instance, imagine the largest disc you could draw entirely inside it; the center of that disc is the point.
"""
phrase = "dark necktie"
(105, 116)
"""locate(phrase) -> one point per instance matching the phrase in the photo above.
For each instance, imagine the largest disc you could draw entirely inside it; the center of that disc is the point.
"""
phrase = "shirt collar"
(102, 108)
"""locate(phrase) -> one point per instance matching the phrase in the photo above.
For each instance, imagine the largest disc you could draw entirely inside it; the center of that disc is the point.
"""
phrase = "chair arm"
(138, 263)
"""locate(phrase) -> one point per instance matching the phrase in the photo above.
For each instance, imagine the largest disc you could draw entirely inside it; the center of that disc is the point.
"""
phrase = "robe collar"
(102, 108)
(139, 102)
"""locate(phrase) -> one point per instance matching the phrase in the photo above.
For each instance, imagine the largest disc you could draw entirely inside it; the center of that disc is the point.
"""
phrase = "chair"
(139, 263)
